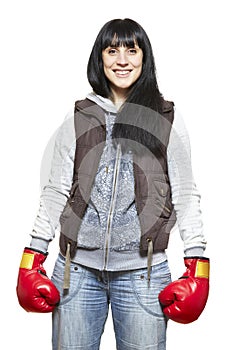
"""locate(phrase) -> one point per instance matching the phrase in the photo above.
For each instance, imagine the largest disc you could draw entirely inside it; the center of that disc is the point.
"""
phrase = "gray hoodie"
(109, 235)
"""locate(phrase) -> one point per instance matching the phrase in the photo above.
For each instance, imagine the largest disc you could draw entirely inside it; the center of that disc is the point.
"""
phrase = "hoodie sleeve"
(185, 195)
(55, 193)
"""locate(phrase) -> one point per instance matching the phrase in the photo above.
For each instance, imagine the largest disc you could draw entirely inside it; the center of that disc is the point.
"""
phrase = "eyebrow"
(122, 45)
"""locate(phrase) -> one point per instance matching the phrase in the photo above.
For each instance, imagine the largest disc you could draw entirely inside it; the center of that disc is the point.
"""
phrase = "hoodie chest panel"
(125, 227)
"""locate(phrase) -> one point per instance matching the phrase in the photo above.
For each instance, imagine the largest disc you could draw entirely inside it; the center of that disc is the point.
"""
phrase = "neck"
(119, 96)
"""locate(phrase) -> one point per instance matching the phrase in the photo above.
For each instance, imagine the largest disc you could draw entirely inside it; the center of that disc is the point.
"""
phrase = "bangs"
(120, 40)
(121, 33)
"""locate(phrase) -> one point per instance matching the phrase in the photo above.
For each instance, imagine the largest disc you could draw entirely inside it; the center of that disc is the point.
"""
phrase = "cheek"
(138, 63)
(107, 62)
(138, 67)
(106, 70)
(106, 66)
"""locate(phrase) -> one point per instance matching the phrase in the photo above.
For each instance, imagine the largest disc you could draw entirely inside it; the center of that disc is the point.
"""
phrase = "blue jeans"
(78, 322)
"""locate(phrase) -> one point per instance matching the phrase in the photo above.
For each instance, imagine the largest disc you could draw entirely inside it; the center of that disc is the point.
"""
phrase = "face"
(122, 67)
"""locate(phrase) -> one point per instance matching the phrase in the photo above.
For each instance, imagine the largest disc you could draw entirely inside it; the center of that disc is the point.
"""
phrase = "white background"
(45, 46)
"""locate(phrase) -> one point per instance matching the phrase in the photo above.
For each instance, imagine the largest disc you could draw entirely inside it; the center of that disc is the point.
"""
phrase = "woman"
(120, 178)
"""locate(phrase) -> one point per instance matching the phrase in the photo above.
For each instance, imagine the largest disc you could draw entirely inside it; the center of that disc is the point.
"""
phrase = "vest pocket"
(162, 193)
(73, 189)
(65, 213)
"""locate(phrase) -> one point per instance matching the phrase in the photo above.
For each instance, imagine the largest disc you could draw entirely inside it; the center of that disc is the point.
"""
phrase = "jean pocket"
(146, 293)
(76, 280)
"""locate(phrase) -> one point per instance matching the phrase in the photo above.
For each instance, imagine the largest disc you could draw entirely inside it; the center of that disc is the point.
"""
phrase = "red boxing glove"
(35, 291)
(184, 300)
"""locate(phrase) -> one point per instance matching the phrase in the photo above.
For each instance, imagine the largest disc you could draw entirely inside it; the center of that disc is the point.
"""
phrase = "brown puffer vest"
(152, 187)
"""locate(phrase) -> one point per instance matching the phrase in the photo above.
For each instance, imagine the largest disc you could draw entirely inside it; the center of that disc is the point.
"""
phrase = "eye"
(132, 51)
(112, 51)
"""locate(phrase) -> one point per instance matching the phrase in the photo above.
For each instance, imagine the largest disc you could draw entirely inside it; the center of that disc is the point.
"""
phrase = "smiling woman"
(128, 36)
(120, 177)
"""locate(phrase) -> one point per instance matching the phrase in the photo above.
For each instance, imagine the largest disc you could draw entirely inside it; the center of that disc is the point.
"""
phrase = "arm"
(184, 299)
(185, 195)
(35, 291)
(54, 195)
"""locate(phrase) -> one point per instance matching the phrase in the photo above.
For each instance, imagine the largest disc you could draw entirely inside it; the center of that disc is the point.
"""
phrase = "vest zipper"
(112, 204)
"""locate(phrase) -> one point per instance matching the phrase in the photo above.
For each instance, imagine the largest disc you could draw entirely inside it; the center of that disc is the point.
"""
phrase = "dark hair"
(125, 32)
(143, 93)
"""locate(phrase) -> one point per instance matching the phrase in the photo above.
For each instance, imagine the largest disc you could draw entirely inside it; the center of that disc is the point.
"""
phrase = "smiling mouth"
(122, 73)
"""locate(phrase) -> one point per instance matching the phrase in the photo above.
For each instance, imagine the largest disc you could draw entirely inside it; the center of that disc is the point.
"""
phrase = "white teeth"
(122, 72)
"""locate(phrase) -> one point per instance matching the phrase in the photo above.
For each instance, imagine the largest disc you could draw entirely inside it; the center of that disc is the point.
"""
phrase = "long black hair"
(143, 93)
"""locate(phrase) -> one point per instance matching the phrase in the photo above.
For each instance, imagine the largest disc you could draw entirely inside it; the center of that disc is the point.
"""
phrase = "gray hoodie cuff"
(39, 244)
(194, 252)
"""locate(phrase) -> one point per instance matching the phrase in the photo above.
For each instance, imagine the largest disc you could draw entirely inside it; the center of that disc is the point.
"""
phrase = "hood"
(105, 103)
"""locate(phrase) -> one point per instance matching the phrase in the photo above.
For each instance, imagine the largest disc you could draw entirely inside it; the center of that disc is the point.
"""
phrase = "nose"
(122, 59)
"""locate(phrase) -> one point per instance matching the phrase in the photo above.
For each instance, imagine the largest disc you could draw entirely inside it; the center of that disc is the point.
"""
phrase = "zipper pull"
(106, 169)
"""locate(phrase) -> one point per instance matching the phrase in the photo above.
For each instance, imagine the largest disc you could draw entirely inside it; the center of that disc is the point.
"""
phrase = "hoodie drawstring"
(66, 282)
(149, 258)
